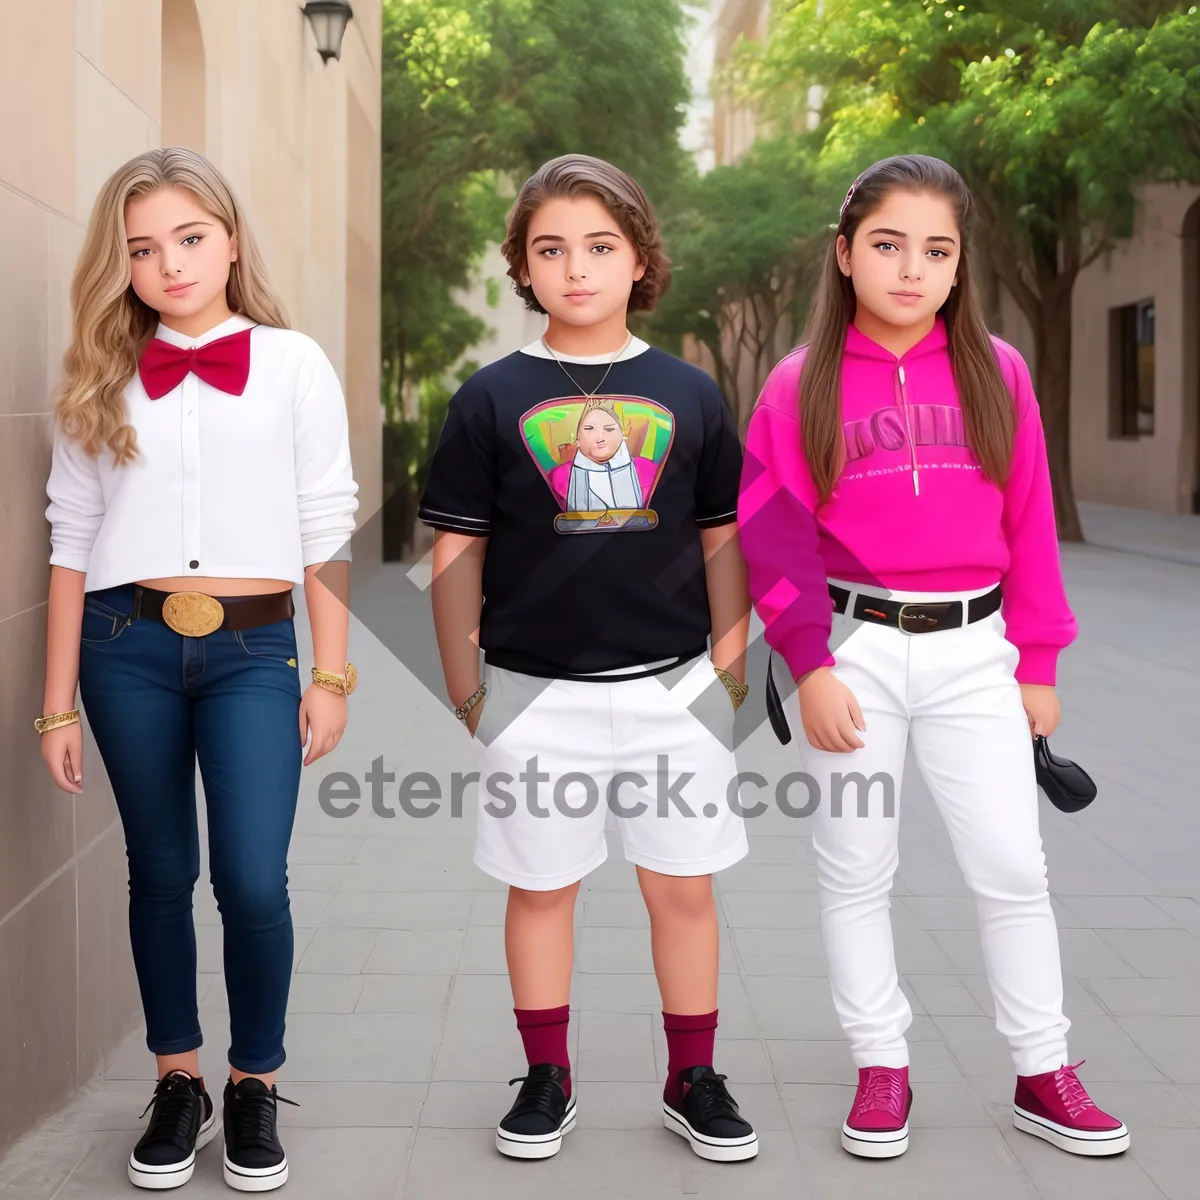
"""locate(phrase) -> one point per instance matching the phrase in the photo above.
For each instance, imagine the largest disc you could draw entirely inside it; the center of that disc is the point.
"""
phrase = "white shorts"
(630, 748)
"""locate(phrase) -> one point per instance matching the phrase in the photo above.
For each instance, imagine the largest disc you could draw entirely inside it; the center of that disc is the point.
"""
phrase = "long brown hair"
(111, 324)
(583, 175)
(987, 404)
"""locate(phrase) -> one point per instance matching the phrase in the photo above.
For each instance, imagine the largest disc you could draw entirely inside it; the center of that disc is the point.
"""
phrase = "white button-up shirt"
(256, 486)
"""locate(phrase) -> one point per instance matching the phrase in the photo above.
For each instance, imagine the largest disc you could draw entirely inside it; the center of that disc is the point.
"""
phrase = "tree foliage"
(1055, 111)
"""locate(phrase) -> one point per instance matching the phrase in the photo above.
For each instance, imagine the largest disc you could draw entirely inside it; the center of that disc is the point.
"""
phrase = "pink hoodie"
(911, 511)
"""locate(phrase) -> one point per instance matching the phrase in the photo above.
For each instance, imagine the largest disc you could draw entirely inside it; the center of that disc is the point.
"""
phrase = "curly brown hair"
(583, 175)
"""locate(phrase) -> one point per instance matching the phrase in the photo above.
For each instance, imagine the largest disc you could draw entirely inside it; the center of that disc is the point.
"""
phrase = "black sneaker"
(254, 1158)
(709, 1118)
(535, 1124)
(184, 1119)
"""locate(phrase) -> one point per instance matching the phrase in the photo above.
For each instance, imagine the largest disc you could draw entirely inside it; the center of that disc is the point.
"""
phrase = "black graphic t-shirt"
(592, 507)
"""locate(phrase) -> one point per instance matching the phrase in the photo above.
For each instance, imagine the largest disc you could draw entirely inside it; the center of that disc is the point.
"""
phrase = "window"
(1131, 347)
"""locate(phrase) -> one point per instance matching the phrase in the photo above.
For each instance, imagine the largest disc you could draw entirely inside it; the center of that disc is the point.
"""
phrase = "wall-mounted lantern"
(329, 19)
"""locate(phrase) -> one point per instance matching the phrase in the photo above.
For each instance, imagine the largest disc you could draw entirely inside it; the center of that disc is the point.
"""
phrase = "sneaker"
(877, 1126)
(540, 1115)
(709, 1119)
(1055, 1106)
(254, 1158)
(184, 1120)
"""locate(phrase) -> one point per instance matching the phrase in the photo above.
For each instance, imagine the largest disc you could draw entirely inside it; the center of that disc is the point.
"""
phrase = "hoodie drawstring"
(912, 453)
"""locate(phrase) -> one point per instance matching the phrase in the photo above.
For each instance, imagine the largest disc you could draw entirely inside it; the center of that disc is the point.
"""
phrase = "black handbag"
(1066, 784)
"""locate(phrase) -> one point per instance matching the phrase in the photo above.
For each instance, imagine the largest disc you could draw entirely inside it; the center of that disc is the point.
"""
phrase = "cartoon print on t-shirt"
(601, 457)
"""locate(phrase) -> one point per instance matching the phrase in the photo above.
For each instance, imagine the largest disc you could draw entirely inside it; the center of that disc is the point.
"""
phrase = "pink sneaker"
(1055, 1106)
(877, 1126)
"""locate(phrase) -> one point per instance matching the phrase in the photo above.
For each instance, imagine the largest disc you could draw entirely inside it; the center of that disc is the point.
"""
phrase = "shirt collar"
(234, 324)
(636, 346)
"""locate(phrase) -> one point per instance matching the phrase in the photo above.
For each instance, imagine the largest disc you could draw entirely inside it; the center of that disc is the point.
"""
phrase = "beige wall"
(300, 142)
(1158, 262)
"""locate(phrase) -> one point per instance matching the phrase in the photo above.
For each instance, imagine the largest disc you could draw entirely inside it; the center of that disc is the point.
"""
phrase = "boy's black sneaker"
(535, 1124)
(254, 1158)
(184, 1119)
(709, 1118)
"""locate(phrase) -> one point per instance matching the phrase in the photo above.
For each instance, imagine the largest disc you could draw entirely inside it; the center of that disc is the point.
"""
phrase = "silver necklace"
(586, 394)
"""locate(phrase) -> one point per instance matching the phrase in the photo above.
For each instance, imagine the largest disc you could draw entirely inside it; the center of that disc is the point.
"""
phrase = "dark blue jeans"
(157, 703)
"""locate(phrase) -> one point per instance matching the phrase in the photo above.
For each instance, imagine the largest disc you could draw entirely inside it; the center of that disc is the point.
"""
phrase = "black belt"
(909, 616)
(196, 614)
(916, 616)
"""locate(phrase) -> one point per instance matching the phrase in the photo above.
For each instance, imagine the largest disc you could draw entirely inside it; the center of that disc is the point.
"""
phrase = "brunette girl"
(897, 522)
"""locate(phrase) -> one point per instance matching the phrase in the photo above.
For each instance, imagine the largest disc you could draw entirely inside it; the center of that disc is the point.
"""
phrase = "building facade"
(95, 82)
(1135, 359)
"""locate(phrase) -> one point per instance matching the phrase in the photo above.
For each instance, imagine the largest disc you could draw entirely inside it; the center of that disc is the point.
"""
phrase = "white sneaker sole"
(713, 1149)
(247, 1179)
(1073, 1141)
(176, 1174)
(866, 1144)
(547, 1145)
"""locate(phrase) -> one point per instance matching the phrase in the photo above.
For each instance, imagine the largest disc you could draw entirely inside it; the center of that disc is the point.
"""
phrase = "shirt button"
(194, 563)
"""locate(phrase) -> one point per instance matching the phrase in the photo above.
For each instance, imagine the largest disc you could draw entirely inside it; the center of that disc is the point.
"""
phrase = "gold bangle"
(344, 685)
(463, 711)
(737, 691)
(56, 720)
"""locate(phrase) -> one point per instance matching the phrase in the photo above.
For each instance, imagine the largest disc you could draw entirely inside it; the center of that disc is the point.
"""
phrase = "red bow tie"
(223, 364)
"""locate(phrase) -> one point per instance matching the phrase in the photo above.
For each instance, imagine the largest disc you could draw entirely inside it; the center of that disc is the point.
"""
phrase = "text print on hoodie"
(912, 509)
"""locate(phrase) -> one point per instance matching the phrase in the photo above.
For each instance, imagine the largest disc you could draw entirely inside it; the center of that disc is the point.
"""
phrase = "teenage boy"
(584, 491)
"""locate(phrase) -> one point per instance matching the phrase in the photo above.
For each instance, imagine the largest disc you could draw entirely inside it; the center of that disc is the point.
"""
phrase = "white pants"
(952, 692)
(631, 751)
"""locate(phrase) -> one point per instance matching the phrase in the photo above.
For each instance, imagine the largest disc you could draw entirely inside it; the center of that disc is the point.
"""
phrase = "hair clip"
(849, 197)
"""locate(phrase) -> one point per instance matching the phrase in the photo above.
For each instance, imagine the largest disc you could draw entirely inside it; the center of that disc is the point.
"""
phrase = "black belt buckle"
(925, 618)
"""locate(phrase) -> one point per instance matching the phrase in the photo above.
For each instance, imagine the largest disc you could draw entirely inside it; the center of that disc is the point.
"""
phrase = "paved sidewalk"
(401, 1036)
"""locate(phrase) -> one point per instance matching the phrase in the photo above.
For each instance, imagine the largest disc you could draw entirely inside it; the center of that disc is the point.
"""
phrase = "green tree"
(745, 241)
(1055, 112)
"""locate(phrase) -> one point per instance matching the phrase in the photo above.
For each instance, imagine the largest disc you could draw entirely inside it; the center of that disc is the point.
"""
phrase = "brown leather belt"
(196, 614)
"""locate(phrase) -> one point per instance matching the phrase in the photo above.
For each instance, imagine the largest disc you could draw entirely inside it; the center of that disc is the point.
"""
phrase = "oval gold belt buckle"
(193, 614)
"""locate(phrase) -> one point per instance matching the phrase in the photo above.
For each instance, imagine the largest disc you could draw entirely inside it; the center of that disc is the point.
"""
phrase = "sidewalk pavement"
(401, 1037)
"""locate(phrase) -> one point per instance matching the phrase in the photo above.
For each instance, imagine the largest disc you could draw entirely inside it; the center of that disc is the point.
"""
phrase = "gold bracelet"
(56, 720)
(737, 691)
(344, 685)
(463, 711)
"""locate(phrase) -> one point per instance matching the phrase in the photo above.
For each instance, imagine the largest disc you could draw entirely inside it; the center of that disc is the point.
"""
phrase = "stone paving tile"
(1059, 1176)
(941, 1164)
(401, 1040)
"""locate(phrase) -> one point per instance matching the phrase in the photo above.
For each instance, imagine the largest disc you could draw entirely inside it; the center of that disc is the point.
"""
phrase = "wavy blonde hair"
(111, 324)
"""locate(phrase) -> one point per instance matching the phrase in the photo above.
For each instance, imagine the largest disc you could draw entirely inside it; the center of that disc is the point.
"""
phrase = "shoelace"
(712, 1098)
(536, 1096)
(882, 1090)
(172, 1103)
(255, 1113)
(1070, 1091)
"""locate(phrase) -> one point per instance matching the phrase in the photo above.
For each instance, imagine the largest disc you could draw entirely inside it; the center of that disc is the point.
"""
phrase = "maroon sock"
(544, 1032)
(689, 1044)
